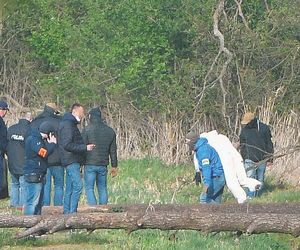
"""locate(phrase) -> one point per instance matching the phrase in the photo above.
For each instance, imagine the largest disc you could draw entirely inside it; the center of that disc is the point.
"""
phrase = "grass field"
(145, 181)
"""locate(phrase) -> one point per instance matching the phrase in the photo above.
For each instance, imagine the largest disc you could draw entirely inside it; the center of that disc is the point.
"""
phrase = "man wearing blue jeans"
(257, 172)
(58, 173)
(16, 135)
(36, 157)
(72, 150)
(256, 148)
(209, 164)
(95, 170)
(55, 171)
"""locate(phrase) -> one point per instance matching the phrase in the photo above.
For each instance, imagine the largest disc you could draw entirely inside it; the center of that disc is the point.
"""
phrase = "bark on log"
(204, 218)
(205, 222)
(278, 208)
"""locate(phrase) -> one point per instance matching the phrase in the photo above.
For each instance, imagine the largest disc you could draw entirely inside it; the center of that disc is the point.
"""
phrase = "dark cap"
(3, 105)
(192, 138)
(95, 112)
(46, 128)
(192, 135)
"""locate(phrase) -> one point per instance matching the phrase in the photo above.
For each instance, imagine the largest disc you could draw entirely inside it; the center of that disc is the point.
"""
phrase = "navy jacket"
(208, 160)
(16, 135)
(104, 137)
(37, 151)
(72, 148)
(256, 142)
(50, 116)
(3, 136)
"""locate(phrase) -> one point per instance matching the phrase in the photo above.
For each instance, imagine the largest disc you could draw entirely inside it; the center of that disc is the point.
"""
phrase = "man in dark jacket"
(37, 151)
(16, 135)
(72, 150)
(3, 145)
(95, 170)
(256, 147)
(55, 170)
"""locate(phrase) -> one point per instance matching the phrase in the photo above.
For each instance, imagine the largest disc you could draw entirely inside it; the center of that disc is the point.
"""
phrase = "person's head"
(3, 108)
(53, 106)
(95, 113)
(191, 138)
(46, 128)
(247, 117)
(77, 111)
(28, 116)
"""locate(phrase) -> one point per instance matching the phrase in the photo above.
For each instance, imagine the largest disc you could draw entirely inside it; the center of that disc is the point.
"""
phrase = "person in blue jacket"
(39, 144)
(210, 166)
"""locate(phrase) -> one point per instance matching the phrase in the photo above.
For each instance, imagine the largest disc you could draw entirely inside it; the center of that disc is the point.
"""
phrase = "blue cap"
(3, 105)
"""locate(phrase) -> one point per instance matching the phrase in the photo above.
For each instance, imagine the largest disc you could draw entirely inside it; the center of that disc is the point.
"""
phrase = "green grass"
(145, 181)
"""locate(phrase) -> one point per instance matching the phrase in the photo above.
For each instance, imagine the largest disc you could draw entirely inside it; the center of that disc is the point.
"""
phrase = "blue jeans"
(58, 176)
(95, 174)
(34, 198)
(18, 191)
(73, 188)
(256, 172)
(215, 191)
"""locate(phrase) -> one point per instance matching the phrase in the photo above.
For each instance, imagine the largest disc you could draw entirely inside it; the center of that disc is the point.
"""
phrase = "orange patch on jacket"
(42, 152)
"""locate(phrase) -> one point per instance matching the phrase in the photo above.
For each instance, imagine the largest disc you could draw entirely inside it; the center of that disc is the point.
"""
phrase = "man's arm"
(269, 143)
(205, 165)
(113, 153)
(41, 149)
(113, 157)
(66, 141)
(242, 144)
(85, 136)
(3, 138)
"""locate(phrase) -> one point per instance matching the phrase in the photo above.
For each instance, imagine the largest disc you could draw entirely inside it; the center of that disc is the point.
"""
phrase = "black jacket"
(3, 137)
(255, 140)
(50, 116)
(104, 137)
(37, 151)
(71, 145)
(16, 135)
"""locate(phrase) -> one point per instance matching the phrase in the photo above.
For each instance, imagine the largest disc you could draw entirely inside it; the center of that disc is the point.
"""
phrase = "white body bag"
(233, 165)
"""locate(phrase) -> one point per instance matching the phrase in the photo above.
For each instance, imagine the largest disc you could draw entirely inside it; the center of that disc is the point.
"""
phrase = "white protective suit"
(233, 165)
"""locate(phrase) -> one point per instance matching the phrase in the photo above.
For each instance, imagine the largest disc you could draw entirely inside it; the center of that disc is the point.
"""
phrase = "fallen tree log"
(172, 219)
(278, 208)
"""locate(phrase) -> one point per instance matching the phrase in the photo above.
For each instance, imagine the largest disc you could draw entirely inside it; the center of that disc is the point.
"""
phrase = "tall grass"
(163, 137)
(151, 181)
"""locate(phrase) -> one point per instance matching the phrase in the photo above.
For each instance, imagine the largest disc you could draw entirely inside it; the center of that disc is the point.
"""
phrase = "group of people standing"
(51, 148)
(219, 162)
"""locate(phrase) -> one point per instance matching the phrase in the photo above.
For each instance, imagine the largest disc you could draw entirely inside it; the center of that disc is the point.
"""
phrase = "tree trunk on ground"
(204, 218)
(278, 208)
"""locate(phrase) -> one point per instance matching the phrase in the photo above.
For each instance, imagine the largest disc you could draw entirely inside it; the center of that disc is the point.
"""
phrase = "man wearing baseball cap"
(3, 144)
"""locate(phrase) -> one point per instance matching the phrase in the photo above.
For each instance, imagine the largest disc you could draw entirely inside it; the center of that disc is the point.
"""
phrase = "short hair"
(27, 116)
(75, 106)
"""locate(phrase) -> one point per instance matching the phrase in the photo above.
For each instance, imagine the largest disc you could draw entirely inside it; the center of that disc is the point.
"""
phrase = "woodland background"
(159, 68)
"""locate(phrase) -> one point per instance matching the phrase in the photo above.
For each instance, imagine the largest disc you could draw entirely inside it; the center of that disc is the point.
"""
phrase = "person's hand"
(113, 172)
(51, 139)
(269, 164)
(90, 147)
(205, 189)
(197, 178)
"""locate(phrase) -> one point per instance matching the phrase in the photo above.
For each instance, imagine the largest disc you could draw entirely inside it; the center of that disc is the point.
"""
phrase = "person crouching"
(209, 164)
(39, 144)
